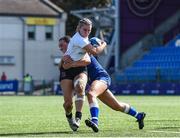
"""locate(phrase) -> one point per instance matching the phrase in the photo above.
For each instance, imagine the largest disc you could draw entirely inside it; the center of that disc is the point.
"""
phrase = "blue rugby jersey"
(97, 72)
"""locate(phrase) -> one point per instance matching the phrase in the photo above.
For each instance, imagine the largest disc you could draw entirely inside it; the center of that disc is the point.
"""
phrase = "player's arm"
(60, 64)
(67, 58)
(95, 50)
(80, 63)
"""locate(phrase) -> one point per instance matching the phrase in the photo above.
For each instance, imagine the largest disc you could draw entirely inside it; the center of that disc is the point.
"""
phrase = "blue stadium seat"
(163, 61)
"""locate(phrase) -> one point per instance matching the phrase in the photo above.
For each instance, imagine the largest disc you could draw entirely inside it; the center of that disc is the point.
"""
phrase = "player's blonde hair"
(84, 21)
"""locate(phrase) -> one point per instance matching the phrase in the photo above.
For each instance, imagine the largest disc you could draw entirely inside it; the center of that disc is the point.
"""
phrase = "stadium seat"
(161, 62)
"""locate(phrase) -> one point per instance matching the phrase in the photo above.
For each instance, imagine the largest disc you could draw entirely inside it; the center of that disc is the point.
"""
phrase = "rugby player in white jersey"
(76, 76)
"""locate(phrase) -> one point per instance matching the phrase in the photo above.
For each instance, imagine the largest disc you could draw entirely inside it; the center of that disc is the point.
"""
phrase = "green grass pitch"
(43, 116)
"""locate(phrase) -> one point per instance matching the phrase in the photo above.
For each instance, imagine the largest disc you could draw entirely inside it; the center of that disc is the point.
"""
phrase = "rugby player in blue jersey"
(99, 82)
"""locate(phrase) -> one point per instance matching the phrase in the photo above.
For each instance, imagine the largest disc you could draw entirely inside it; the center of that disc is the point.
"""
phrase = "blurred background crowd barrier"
(51, 87)
(34, 87)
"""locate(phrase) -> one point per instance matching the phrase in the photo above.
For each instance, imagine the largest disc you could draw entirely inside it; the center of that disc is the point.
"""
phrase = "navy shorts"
(101, 77)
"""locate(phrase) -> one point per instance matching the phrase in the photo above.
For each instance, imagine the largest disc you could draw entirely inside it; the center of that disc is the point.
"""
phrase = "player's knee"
(79, 86)
(91, 94)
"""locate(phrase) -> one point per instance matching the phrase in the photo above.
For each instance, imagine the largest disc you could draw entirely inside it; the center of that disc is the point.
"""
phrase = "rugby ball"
(95, 41)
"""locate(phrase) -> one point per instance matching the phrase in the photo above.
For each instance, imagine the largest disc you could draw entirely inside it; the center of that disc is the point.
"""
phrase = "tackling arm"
(95, 50)
(80, 63)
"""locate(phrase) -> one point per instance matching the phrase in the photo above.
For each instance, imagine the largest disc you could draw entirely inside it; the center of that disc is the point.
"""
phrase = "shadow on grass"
(168, 127)
(159, 120)
(44, 133)
(165, 126)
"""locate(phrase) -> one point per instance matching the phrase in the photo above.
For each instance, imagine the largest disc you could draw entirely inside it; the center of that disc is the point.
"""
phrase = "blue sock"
(94, 114)
(139, 116)
(133, 112)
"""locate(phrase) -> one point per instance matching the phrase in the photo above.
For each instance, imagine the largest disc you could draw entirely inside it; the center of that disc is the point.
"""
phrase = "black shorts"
(71, 73)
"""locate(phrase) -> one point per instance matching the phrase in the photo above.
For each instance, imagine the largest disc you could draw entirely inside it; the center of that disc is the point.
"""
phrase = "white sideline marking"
(165, 132)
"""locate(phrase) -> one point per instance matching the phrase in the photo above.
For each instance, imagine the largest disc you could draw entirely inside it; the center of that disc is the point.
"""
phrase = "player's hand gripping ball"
(95, 41)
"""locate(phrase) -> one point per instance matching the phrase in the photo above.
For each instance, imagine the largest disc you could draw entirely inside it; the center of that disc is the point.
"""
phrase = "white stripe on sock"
(136, 114)
(94, 118)
(127, 108)
(95, 104)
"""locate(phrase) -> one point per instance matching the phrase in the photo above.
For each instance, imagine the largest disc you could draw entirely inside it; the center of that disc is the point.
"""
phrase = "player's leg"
(79, 101)
(96, 88)
(110, 100)
(67, 88)
(80, 82)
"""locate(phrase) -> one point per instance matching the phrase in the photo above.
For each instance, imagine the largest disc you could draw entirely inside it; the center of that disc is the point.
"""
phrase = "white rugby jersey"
(75, 47)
